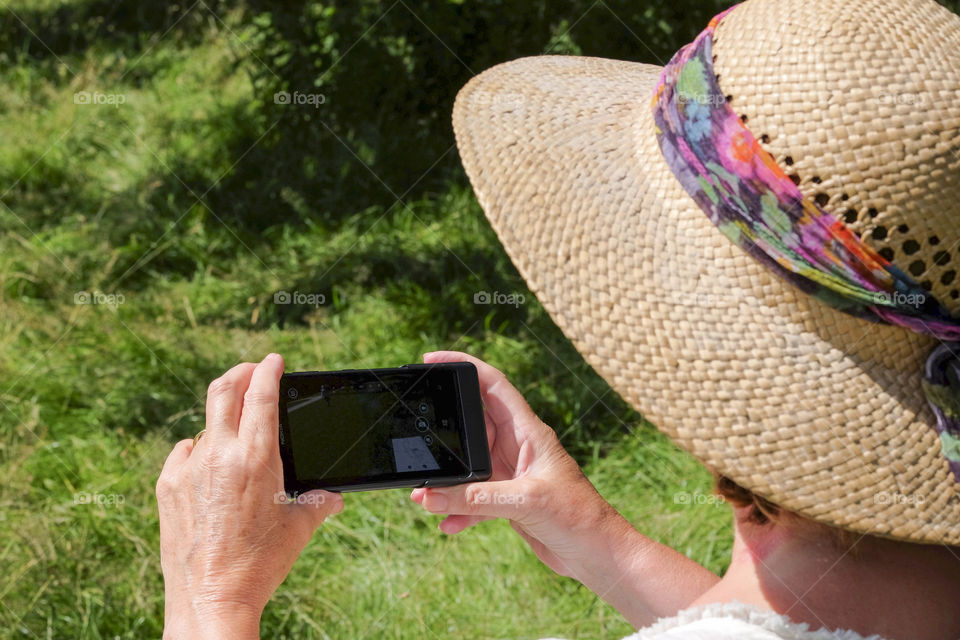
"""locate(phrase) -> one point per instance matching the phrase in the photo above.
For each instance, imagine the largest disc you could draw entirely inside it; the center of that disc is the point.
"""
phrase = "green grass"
(113, 200)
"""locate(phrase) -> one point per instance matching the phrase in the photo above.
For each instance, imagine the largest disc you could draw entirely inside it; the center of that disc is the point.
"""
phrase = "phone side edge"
(475, 428)
(291, 486)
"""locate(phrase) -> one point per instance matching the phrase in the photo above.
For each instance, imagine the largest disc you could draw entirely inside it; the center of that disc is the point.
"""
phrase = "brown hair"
(763, 512)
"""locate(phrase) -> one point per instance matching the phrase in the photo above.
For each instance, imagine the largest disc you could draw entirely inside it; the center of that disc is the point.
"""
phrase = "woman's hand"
(554, 507)
(228, 536)
(535, 483)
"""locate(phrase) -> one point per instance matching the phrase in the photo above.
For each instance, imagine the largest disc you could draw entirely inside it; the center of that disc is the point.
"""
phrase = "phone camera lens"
(292, 393)
(428, 439)
(423, 407)
(422, 424)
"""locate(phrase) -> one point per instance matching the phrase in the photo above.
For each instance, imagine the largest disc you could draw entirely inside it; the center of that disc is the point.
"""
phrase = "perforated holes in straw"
(747, 195)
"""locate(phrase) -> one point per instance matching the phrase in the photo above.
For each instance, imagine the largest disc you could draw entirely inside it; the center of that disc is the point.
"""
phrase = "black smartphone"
(418, 425)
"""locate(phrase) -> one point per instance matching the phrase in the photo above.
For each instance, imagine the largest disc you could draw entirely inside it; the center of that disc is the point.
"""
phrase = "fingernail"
(436, 502)
(271, 356)
(428, 353)
(333, 500)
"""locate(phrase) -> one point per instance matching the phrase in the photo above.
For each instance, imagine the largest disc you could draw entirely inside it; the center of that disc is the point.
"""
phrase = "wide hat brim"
(815, 410)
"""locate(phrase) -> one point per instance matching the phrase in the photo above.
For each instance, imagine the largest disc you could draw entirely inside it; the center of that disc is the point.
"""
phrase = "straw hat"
(816, 410)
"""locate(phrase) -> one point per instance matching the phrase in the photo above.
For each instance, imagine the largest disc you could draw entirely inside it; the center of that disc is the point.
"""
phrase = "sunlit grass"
(109, 201)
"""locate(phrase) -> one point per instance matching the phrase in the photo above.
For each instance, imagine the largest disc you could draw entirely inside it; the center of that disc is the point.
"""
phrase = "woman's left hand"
(228, 536)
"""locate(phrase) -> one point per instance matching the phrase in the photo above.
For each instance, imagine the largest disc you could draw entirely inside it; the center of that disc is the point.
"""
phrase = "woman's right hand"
(535, 483)
(551, 504)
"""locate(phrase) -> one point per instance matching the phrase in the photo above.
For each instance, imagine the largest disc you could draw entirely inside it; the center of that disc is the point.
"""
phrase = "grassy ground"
(107, 203)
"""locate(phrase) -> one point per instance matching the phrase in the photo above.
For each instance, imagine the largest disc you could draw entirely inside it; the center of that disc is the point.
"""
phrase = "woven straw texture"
(815, 410)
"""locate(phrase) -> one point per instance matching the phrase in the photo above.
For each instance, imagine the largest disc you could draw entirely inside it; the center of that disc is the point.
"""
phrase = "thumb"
(501, 399)
(504, 499)
(317, 505)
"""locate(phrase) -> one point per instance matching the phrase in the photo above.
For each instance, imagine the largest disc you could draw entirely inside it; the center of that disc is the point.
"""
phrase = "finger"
(317, 505)
(452, 525)
(224, 400)
(260, 415)
(488, 421)
(179, 454)
(504, 499)
(175, 459)
(500, 398)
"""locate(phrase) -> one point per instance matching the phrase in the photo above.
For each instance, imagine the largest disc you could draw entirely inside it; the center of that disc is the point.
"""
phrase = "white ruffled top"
(736, 621)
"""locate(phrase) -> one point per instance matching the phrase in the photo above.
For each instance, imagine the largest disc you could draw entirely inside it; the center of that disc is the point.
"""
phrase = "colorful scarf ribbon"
(746, 194)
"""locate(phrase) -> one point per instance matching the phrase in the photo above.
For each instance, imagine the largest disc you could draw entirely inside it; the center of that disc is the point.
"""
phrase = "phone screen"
(374, 426)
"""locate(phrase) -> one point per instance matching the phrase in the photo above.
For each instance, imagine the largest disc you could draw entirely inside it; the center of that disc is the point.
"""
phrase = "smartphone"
(418, 425)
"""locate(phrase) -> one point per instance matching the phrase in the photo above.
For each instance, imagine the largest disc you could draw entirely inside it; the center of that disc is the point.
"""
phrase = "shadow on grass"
(434, 294)
(388, 75)
(71, 28)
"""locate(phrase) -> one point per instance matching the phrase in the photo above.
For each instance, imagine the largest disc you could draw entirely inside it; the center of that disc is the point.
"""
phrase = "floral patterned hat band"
(747, 195)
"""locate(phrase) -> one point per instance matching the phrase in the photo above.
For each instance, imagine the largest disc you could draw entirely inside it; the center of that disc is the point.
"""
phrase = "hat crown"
(859, 102)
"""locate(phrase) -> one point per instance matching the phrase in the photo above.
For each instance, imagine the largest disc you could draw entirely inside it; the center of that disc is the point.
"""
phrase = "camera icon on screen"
(281, 297)
(481, 297)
